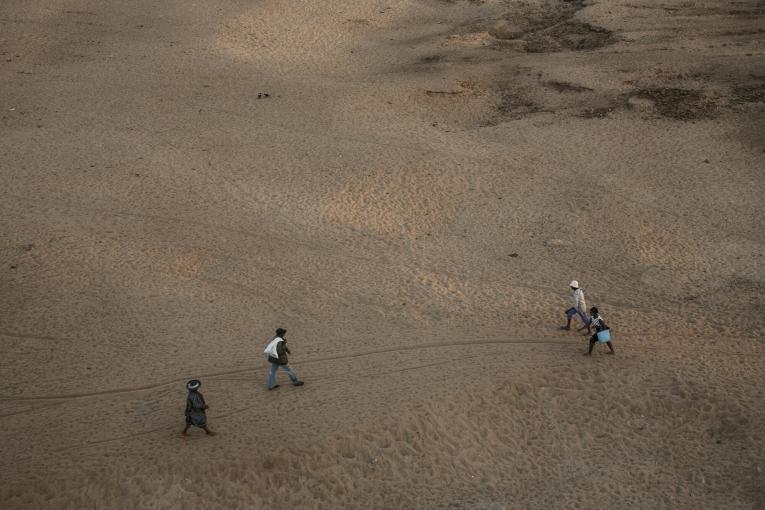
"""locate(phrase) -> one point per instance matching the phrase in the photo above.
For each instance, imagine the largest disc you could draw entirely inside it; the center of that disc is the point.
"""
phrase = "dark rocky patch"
(690, 10)
(569, 36)
(564, 86)
(749, 94)
(514, 105)
(735, 33)
(515, 25)
(431, 59)
(597, 113)
(679, 104)
(552, 29)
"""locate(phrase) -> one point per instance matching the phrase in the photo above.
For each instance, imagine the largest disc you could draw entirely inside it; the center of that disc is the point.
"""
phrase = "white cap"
(574, 284)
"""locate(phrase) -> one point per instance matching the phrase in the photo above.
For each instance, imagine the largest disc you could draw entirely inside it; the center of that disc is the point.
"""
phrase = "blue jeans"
(272, 374)
(573, 311)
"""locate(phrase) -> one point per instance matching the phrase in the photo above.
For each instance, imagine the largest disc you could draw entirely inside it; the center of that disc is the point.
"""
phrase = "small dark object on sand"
(263, 95)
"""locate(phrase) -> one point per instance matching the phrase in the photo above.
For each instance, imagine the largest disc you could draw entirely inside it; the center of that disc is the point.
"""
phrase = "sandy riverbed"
(410, 202)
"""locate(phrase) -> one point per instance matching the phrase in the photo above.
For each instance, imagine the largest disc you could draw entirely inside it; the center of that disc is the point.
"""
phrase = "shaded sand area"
(410, 202)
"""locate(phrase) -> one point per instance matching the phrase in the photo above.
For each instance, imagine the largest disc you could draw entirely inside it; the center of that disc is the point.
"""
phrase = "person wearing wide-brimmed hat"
(579, 308)
(277, 351)
(196, 407)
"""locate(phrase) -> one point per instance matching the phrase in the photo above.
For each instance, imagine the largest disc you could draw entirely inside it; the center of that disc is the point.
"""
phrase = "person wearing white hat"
(579, 307)
(195, 408)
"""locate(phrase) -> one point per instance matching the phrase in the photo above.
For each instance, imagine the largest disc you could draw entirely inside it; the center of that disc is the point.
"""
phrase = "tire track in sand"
(212, 375)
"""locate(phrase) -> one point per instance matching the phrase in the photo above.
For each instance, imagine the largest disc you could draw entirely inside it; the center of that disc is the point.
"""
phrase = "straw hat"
(574, 284)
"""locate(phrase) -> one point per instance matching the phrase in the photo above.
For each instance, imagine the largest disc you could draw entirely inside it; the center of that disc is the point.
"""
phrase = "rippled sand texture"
(410, 202)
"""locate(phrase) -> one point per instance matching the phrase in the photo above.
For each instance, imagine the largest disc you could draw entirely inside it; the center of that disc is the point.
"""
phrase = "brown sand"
(410, 203)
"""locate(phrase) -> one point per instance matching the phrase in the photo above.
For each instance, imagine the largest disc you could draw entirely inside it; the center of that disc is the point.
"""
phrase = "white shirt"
(271, 348)
(579, 302)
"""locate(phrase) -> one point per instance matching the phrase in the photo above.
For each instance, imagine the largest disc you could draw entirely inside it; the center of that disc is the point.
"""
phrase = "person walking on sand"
(602, 332)
(277, 351)
(579, 308)
(195, 408)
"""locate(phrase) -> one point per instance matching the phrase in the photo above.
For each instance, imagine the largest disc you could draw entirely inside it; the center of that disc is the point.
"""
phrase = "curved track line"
(135, 389)
(112, 439)
(34, 337)
(32, 409)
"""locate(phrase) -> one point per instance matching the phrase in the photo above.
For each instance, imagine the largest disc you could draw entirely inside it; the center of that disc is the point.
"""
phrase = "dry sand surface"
(410, 202)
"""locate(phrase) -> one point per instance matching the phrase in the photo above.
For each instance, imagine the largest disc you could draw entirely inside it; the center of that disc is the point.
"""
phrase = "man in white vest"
(277, 355)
